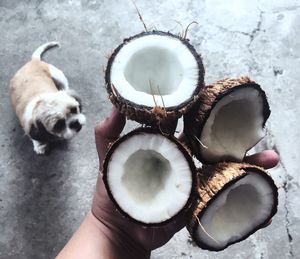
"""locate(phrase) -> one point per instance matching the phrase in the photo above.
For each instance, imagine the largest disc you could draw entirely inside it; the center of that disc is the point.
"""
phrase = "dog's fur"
(47, 109)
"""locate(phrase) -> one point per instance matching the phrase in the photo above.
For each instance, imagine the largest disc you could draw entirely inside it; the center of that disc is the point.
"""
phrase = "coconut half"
(228, 121)
(154, 76)
(150, 177)
(235, 200)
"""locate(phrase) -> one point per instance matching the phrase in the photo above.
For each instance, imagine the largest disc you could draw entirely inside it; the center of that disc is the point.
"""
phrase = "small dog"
(47, 109)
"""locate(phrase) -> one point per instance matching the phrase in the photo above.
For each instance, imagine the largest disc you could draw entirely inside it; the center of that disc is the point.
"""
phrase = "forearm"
(93, 240)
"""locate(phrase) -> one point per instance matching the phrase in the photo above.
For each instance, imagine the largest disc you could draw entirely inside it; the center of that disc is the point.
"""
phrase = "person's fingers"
(176, 225)
(108, 131)
(266, 159)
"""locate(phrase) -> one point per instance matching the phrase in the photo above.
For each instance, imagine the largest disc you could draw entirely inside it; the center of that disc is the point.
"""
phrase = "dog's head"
(57, 116)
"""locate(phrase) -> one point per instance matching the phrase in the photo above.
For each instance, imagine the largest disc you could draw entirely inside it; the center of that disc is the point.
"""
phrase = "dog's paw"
(39, 148)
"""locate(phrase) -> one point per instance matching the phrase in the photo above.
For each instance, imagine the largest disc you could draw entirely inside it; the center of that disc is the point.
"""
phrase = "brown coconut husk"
(209, 96)
(154, 115)
(212, 180)
(182, 149)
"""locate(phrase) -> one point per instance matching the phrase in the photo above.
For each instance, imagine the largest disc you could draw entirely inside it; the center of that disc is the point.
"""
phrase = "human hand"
(146, 238)
(124, 232)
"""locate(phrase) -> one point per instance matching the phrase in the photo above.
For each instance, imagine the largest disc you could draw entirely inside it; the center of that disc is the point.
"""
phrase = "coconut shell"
(184, 151)
(196, 118)
(212, 180)
(152, 115)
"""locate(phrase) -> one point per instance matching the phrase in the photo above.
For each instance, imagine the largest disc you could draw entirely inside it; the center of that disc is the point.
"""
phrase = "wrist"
(123, 245)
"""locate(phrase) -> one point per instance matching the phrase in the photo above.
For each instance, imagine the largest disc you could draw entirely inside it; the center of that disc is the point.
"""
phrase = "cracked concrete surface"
(44, 199)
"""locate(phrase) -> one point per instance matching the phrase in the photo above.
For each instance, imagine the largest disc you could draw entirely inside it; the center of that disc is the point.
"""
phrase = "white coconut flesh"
(235, 125)
(155, 65)
(236, 212)
(149, 178)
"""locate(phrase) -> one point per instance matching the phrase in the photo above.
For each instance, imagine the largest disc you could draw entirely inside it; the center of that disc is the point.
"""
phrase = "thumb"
(108, 131)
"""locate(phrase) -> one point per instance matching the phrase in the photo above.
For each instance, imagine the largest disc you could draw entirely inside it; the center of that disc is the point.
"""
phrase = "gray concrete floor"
(43, 199)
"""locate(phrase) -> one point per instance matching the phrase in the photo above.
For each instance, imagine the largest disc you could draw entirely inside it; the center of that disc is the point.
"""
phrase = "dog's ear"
(75, 95)
(38, 132)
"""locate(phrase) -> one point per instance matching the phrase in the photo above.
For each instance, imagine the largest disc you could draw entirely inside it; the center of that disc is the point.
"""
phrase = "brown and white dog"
(48, 111)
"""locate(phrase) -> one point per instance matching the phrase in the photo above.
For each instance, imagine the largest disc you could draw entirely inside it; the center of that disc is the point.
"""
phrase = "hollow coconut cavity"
(235, 201)
(149, 177)
(154, 76)
(228, 121)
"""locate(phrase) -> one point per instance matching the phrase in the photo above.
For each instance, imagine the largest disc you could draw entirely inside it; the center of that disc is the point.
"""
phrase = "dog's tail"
(38, 53)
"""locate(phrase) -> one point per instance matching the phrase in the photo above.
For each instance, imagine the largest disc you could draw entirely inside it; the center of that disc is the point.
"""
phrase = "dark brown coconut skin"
(147, 130)
(210, 95)
(212, 181)
(152, 115)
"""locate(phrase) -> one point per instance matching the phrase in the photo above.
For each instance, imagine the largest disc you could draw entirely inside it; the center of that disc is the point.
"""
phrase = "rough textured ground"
(44, 199)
